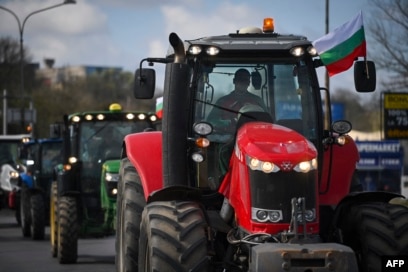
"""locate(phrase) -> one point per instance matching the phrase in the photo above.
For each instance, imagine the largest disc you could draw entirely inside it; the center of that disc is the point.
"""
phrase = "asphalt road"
(19, 254)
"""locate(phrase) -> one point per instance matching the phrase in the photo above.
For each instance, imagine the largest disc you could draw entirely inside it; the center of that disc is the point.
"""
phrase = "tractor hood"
(268, 142)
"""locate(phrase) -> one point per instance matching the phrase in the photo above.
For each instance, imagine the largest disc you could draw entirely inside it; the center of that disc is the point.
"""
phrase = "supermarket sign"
(380, 155)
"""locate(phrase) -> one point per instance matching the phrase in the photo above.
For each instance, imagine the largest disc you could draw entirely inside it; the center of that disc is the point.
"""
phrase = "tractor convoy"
(83, 196)
(263, 181)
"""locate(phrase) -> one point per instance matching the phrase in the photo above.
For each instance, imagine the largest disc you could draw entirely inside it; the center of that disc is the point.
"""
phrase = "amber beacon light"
(268, 25)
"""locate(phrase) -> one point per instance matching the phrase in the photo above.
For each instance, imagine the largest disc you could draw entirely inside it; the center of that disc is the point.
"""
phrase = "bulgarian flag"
(339, 48)
(159, 107)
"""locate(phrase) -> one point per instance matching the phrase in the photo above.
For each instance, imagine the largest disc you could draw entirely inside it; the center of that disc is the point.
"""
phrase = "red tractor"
(265, 182)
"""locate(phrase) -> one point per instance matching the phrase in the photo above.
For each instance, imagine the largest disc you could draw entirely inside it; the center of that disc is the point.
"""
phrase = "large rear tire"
(67, 230)
(25, 211)
(373, 230)
(54, 219)
(37, 216)
(173, 237)
(130, 204)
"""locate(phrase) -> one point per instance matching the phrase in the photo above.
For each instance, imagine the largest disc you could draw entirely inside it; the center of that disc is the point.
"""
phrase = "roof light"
(153, 118)
(297, 51)
(268, 25)
(312, 51)
(130, 116)
(212, 50)
(141, 116)
(100, 117)
(76, 119)
(88, 117)
(195, 50)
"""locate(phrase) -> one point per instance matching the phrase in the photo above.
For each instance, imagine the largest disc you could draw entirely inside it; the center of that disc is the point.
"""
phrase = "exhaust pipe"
(175, 121)
(178, 46)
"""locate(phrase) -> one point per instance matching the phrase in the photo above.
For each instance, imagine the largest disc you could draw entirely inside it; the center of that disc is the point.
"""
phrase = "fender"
(337, 173)
(144, 151)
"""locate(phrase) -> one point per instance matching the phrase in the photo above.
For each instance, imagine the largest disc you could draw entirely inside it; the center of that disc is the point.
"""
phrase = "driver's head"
(241, 79)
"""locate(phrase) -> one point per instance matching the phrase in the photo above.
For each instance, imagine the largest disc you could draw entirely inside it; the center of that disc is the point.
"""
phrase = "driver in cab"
(226, 109)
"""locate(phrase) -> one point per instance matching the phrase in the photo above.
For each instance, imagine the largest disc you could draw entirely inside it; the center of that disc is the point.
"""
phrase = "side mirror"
(144, 83)
(364, 76)
(341, 127)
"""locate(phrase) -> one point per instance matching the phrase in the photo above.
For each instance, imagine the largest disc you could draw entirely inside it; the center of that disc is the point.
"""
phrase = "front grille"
(274, 191)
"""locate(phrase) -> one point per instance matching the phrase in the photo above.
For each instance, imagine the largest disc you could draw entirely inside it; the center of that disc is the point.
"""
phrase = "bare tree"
(10, 62)
(388, 36)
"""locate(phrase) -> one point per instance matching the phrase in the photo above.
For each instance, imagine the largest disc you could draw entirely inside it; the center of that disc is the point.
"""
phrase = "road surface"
(23, 254)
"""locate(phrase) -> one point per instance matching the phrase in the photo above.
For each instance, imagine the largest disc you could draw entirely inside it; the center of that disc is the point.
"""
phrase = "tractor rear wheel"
(37, 216)
(130, 204)
(54, 219)
(67, 230)
(373, 230)
(173, 236)
(25, 211)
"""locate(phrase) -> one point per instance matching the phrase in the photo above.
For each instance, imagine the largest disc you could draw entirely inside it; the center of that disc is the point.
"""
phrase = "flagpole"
(327, 78)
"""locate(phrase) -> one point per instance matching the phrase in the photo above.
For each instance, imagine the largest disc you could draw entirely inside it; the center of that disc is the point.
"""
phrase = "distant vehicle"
(10, 171)
(39, 156)
(83, 198)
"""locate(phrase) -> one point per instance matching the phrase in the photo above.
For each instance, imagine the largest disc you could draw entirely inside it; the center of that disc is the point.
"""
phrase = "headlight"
(261, 215)
(72, 160)
(111, 177)
(310, 215)
(203, 128)
(264, 166)
(14, 174)
(306, 166)
(197, 157)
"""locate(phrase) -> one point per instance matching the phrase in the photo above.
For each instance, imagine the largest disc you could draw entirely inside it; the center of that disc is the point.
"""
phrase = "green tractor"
(83, 197)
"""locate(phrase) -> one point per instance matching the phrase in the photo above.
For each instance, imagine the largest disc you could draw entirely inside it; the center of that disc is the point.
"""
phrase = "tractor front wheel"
(54, 219)
(67, 230)
(130, 204)
(373, 230)
(173, 236)
(25, 211)
(37, 216)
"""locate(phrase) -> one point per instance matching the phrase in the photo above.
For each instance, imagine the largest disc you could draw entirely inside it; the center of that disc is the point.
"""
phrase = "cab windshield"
(281, 89)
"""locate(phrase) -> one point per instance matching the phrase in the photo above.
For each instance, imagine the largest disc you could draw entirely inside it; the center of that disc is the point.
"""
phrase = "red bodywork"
(266, 142)
(144, 151)
(335, 183)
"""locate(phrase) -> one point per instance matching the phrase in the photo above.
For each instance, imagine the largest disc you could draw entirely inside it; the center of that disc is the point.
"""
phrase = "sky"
(119, 33)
